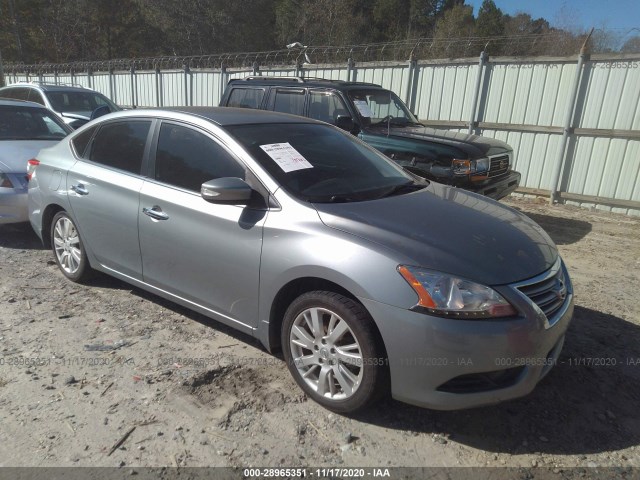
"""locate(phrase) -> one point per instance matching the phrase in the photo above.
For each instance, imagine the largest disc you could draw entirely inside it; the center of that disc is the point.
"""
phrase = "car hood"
(15, 153)
(450, 230)
(473, 145)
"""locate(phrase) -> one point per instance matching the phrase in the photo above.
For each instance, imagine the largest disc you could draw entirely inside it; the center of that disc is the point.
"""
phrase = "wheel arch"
(292, 290)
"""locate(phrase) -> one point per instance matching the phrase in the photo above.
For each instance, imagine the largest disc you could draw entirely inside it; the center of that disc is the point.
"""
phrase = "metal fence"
(571, 119)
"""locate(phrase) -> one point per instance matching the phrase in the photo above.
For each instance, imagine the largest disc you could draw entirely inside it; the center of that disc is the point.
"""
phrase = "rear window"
(25, 123)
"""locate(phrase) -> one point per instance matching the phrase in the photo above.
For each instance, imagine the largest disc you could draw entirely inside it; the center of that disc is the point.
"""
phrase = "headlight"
(447, 296)
(467, 167)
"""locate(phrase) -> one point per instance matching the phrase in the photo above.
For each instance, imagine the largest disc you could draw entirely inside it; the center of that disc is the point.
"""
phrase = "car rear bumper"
(498, 188)
(13, 206)
(448, 364)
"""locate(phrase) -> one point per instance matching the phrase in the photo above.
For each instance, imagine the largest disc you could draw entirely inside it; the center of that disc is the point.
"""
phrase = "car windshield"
(318, 163)
(78, 101)
(25, 123)
(379, 107)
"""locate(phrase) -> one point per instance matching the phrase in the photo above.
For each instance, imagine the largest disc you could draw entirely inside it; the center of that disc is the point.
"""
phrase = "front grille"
(548, 294)
(499, 165)
(482, 382)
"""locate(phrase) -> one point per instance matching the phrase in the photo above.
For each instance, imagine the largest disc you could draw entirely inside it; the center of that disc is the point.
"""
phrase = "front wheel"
(68, 248)
(330, 347)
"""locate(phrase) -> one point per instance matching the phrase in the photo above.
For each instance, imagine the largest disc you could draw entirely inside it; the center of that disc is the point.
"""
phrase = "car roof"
(50, 87)
(219, 115)
(9, 102)
(299, 82)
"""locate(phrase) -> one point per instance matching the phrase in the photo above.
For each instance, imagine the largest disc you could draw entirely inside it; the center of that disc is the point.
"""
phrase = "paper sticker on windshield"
(363, 108)
(287, 157)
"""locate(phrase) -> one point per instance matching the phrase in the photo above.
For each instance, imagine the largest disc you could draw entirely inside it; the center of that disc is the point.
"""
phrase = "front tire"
(330, 347)
(68, 248)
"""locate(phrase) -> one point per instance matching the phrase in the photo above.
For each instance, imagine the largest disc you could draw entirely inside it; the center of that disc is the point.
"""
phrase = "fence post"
(412, 66)
(476, 91)
(132, 71)
(350, 70)
(1, 71)
(256, 68)
(90, 78)
(567, 129)
(158, 87)
(223, 81)
(111, 89)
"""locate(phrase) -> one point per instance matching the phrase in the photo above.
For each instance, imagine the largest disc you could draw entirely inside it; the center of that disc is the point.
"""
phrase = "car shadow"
(101, 280)
(588, 403)
(563, 231)
(19, 236)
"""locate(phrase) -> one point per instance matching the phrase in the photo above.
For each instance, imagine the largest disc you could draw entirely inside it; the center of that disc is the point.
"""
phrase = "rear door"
(104, 189)
(205, 253)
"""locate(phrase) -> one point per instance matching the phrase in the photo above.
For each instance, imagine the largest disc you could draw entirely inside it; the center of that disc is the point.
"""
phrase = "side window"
(35, 96)
(187, 158)
(326, 106)
(8, 93)
(20, 93)
(81, 141)
(121, 145)
(245, 97)
(289, 101)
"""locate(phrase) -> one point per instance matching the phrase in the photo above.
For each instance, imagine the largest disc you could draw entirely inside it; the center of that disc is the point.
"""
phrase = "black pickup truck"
(380, 118)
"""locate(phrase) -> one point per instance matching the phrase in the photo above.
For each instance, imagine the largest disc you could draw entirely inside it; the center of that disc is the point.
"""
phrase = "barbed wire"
(559, 43)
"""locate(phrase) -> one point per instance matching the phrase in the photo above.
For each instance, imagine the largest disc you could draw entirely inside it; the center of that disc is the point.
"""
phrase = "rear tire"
(68, 248)
(331, 349)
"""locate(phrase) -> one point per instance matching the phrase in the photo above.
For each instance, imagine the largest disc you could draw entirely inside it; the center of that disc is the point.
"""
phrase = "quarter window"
(187, 158)
(81, 141)
(245, 97)
(121, 145)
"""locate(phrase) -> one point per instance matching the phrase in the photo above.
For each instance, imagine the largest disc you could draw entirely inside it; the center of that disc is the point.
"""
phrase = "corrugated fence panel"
(392, 77)
(206, 87)
(145, 89)
(173, 88)
(100, 82)
(603, 162)
(122, 82)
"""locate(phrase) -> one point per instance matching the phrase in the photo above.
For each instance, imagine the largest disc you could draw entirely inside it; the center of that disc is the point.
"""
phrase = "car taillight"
(31, 167)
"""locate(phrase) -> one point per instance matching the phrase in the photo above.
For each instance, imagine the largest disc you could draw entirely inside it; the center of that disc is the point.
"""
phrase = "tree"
(456, 24)
(490, 22)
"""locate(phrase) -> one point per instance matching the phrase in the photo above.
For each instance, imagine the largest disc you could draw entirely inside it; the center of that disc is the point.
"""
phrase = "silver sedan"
(371, 280)
(25, 128)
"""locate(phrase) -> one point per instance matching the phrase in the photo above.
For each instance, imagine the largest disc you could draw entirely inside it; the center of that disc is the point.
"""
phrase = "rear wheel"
(330, 346)
(68, 248)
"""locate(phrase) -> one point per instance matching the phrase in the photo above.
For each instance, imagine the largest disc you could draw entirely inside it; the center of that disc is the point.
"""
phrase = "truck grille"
(548, 294)
(499, 165)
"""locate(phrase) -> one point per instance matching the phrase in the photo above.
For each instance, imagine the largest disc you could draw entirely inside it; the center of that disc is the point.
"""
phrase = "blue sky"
(576, 14)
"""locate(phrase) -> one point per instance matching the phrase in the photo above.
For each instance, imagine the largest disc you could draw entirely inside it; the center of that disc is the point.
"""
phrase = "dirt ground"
(82, 366)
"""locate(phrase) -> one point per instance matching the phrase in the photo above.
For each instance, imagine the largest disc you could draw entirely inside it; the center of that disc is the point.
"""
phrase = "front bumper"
(498, 187)
(13, 206)
(440, 363)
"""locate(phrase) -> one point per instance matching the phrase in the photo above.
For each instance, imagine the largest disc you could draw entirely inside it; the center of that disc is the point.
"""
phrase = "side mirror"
(345, 122)
(226, 190)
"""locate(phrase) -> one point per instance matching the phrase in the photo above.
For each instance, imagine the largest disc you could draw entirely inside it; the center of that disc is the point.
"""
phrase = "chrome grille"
(548, 294)
(499, 165)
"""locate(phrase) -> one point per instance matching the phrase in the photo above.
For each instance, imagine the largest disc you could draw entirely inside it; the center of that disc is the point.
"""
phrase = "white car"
(25, 128)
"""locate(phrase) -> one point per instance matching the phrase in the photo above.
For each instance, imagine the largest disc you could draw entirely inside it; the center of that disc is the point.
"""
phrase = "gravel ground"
(107, 375)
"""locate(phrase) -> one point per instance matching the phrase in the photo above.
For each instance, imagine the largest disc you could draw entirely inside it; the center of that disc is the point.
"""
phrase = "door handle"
(155, 212)
(80, 189)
